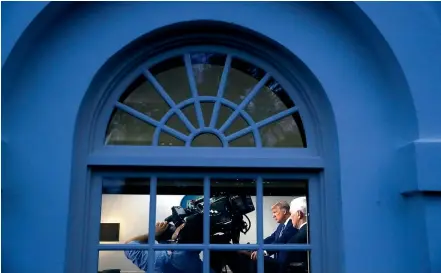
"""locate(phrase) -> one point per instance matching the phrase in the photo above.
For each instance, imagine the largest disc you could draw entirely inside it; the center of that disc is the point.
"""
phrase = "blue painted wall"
(379, 64)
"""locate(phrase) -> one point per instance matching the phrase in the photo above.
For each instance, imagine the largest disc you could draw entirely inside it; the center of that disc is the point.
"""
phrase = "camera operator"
(169, 261)
(226, 223)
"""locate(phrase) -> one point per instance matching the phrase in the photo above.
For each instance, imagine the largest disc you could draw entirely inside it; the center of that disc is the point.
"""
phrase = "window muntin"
(264, 186)
(205, 99)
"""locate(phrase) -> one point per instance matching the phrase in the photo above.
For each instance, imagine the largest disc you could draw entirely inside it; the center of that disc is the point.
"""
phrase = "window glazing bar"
(277, 117)
(93, 237)
(293, 247)
(262, 123)
(194, 90)
(152, 220)
(135, 113)
(245, 102)
(290, 177)
(113, 155)
(259, 216)
(206, 261)
(314, 223)
(168, 100)
(220, 91)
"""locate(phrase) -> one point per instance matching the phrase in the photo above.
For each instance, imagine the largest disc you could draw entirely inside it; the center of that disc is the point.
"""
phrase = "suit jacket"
(288, 257)
(275, 238)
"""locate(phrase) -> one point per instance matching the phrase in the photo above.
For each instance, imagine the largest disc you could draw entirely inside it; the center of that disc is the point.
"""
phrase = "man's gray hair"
(299, 204)
(281, 205)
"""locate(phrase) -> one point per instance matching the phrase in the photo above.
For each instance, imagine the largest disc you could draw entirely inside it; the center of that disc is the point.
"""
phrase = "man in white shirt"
(299, 212)
(297, 261)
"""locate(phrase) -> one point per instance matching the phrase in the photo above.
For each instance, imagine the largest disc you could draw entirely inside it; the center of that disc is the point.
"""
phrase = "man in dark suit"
(245, 262)
(283, 232)
(296, 261)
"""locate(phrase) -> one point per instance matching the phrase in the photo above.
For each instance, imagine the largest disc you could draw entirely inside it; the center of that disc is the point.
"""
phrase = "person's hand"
(254, 255)
(176, 233)
(246, 253)
(160, 228)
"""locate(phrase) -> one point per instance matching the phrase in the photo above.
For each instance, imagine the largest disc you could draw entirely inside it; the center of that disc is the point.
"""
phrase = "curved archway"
(297, 84)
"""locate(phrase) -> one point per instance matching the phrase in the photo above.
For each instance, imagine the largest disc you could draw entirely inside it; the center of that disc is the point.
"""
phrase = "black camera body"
(226, 219)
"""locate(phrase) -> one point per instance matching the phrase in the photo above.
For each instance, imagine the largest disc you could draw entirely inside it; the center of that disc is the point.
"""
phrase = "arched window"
(205, 99)
(204, 131)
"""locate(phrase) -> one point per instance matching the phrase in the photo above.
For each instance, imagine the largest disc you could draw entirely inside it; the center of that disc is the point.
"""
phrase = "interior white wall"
(132, 212)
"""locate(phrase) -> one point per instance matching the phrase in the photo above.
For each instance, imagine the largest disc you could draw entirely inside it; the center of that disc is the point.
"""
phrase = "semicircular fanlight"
(206, 100)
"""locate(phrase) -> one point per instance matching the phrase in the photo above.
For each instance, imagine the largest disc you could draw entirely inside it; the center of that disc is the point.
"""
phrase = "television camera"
(227, 212)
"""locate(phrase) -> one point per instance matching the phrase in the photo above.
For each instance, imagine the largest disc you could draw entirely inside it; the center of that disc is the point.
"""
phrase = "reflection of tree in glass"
(125, 129)
(201, 63)
(270, 101)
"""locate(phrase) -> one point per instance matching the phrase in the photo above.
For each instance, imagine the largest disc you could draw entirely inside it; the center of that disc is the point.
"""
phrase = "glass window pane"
(233, 207)
(282, 133)
(207, 70)
(207, 111)
(206, 140)
(136, 261)
(224, 113)
(238, 124)
(286, 202)
(125, 129)
(115, 262)
(124, 209)
(172, 76)
(242, 78)
(278, 216)
(295, 262)
(190, 112)
(142, 96)
(166, 139)
(177, 203)
(270, 100)
(176, 123)
(232, 261)
(243, 141)
(241, 261)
